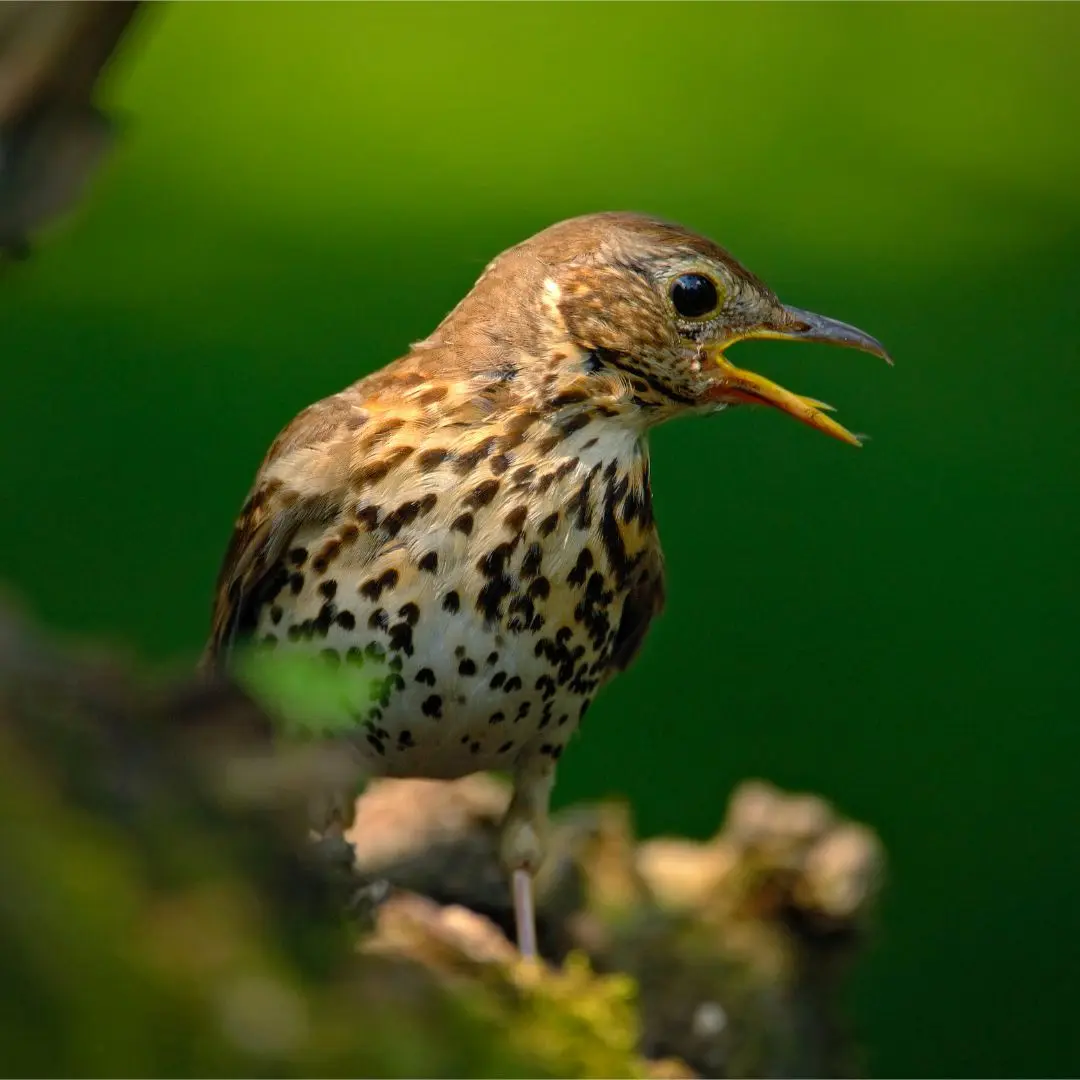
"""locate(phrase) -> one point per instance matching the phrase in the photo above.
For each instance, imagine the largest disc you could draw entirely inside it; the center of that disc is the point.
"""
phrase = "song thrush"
(477, 516)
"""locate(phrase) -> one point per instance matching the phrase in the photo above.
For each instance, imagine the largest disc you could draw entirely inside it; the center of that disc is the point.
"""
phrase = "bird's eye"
(694, 295)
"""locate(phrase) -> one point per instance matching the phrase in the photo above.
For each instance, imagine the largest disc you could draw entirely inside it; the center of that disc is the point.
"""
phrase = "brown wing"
(301, 482)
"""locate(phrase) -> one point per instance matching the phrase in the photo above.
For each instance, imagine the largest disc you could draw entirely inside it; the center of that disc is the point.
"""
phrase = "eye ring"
(694, 296)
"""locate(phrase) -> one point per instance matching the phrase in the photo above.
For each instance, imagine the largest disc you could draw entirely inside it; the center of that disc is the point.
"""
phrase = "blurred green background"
(305, 189)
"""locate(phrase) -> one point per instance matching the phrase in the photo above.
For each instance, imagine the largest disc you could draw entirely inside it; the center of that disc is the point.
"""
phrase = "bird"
(473, 522)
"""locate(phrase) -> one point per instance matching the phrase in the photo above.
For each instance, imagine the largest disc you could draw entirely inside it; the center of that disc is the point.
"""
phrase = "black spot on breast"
(328, 589)
(320, 564)
(426, 676)
(499, 464)
(594, 591)
(467, 667)
(523, 604)
(463, 523)
(322, 622)
(346, 620)
(298, 556)
(467, 461)
(515, 519)
(581, 568)
(275, 614)
(373, 588)
(580, 506)
(611, 534)
(270, 591)
(379, 619)
(432, 706)
(497, 679)
(401, 638)
(325, 557)
(512, 684)
(508, 745)
(496, 717)
(404, 515)
(566, 468)
(482, 494)
(368, 516)
(410, 613)
(490, 597)
(377, 743)
(494, 562)
(540, 588)
(296, 583)
(530, 565)
(549, 524)
(451, 602)
(429, 562)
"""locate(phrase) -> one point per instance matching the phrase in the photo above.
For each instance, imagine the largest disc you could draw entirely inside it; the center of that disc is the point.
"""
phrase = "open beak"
(734, 385)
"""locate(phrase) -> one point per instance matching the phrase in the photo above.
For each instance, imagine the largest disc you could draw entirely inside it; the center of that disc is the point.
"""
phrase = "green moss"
(577, 1023)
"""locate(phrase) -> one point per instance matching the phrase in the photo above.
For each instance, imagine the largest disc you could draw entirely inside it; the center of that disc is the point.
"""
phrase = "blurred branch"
(53, 135)
(156, 923)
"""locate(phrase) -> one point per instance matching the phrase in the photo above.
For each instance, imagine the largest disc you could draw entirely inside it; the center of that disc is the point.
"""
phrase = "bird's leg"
(522, 842)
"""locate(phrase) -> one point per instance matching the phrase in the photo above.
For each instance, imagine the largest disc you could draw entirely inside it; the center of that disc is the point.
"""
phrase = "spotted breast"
(491, 579)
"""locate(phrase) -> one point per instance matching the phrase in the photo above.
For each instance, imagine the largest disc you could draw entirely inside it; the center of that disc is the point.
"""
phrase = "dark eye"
(694, 295)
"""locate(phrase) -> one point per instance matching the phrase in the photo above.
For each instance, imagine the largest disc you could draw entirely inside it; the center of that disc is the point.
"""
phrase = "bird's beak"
(734, 385)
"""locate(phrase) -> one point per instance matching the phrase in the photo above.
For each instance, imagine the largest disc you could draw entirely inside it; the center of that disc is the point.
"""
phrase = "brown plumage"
(474, 521)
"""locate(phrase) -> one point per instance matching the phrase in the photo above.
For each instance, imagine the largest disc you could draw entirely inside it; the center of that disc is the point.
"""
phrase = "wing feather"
(301, 483)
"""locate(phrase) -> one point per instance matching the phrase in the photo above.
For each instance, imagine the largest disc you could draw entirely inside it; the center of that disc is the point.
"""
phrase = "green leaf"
(312, 694)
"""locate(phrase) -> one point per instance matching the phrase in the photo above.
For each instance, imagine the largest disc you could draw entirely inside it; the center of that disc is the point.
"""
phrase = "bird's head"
(636, 314)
